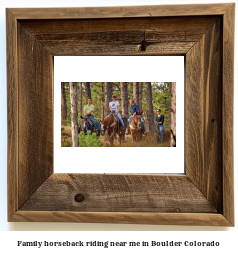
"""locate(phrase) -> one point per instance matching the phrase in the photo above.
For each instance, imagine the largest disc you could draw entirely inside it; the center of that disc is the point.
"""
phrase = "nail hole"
(213, 120)
(79, 198)
(178, 210)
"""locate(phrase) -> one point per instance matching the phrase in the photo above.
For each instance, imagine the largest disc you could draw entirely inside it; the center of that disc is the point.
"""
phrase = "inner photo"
(118, 114)
(119, 127)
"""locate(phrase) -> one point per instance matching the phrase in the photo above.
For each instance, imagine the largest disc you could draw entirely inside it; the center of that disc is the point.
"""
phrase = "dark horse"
(112, 126)
(136, 127)
(85, 124)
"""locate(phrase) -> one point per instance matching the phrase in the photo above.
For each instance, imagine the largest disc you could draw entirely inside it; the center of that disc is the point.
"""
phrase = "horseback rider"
(88, 110)
(114, 107)
(133, 109)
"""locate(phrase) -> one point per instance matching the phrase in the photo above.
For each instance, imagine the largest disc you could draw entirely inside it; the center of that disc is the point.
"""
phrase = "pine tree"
(102, 102)
(87, 90)
(108, 96)
(74, 113)
(150, 108)
(136, 92)
(172, 109)
(124, 98)
(63, 104)
(140, 90)
(80, 99)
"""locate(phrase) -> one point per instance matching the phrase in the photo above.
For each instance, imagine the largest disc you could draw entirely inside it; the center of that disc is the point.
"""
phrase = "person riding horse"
(88, 110)
(135, 109)
(115, 108)
(110, 124)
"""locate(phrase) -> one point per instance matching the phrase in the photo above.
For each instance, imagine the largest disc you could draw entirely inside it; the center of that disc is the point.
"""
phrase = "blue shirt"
(134, 108)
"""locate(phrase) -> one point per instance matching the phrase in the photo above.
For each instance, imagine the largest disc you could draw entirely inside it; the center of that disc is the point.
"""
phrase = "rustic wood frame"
(203, 33)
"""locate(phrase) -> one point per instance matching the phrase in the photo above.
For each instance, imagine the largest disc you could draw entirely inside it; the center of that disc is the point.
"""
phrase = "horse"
(85, 124)
(112, 126)
(136, 128)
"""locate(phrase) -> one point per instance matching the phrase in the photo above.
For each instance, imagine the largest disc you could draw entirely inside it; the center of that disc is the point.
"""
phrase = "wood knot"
(143, 45)
(79, 198)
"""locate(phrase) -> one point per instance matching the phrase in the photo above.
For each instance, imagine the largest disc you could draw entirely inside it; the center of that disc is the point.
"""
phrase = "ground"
(147, 141)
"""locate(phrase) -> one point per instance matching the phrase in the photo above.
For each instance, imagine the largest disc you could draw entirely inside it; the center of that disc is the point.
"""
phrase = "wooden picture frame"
(204, 34)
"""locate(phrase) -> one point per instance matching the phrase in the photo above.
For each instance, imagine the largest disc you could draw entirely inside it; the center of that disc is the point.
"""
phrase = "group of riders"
(114, 107)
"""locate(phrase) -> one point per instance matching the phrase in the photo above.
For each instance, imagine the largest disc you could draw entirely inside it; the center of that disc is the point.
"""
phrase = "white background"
(119, 69)
(8, 239)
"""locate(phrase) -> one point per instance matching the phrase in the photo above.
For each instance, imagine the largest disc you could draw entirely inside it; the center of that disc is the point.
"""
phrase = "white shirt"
(114, 105)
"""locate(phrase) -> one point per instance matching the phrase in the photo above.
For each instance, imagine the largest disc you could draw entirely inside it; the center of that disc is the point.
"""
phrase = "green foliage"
(89, 140)
(160, 98)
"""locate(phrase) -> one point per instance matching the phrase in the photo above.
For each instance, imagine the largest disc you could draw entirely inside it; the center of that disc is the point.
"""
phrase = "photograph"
(118, 114)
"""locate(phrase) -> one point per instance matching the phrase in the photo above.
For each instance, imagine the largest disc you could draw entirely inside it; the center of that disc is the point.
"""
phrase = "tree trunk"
(124, 98)
(108, 96)
(80, 99)
(102, 103)
(87, 91)
(172, 112)
(150, 108)
(74, 113)
(136, 92)
(63, 104)
(140, 95)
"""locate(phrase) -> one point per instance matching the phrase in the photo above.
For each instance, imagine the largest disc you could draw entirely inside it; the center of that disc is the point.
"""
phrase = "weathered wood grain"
(121, 11)
(203, 119)
(227, 113)
(199, 219)
(178, 25)
(119, 36)
(77, 26)
(12, 114)
(35, 132)
(74, 48)
(189, 25)
(141, 193)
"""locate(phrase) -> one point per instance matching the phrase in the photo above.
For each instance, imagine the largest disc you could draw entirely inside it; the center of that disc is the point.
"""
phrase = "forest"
(150, 96)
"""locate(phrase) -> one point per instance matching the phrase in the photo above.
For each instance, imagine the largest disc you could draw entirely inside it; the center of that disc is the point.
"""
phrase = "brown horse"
(136, 128)
(111, 125)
